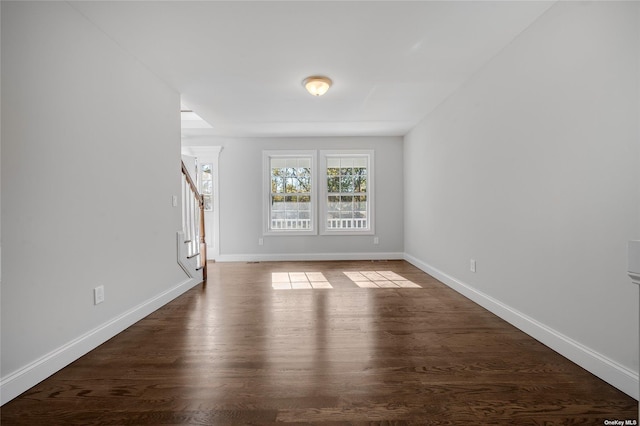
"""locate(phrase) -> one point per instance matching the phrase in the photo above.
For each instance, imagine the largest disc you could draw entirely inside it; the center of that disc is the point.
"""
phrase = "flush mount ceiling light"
(317, 85)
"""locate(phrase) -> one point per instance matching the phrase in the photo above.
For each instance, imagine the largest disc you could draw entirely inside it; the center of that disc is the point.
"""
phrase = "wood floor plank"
(237, 351)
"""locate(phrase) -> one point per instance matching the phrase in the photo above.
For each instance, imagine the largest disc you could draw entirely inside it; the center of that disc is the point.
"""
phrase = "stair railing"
(193, 222)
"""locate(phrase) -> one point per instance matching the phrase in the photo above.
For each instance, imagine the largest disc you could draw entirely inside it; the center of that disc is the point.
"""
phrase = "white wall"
(0, 154)
(241, 192)
(533, 169)
(90, 160)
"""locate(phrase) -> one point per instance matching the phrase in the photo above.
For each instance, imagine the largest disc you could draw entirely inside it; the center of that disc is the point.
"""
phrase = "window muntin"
(290, 208)
(346, 193)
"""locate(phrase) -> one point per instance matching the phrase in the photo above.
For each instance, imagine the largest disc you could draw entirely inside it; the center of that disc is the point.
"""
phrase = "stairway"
(192, 249)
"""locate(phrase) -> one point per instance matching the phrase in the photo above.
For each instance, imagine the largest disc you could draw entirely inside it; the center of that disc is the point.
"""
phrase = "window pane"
(346, 162)
(333, 203)
(333, 184)
(359, 223)
(304, 184)
(277, 185)
(360, 184)
(291, 201)
(347, 184)
(299, 182)
(291, 183)
(346, 171)
(292, 163)
(360, 162)
(303, 172)
(206, 187)
(304, 162)
(333, 162)
(291, 215)
(278, 163)
(206, 183)
(360, 171)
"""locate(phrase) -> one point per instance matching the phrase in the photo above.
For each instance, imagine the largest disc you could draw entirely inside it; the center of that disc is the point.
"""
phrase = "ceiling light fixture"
(317, 85)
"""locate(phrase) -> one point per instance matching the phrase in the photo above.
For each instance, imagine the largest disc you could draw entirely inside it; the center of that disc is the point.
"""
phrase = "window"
(347, 192)
(290, 200)
(206, 185)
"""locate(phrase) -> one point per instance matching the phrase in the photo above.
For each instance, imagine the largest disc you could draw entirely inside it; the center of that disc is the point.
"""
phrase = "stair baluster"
(193, 222)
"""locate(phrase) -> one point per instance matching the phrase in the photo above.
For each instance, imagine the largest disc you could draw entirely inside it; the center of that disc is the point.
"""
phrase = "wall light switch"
(174, 200)
(98, 295)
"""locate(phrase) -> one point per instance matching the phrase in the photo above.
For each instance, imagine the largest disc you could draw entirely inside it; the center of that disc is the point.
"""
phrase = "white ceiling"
(239, 65)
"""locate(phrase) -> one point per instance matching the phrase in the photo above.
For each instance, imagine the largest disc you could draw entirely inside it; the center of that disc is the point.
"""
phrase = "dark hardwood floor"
(236, 351)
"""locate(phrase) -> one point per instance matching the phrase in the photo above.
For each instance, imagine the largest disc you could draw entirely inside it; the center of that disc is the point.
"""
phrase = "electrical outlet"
(260, 241)
(98, 295)
(472, 265)
(174, 200)
(376, 240)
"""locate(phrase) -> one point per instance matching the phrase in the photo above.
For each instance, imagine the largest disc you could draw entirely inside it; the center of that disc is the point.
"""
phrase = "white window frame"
(266, 206)
(323, 193)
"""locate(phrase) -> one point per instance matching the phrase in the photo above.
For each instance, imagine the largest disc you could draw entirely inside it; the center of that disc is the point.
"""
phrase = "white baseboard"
(307, 256)
(30, 375)
(592, 361)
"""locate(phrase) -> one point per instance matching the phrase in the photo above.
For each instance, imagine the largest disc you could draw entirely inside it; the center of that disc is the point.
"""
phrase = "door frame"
(210, 155)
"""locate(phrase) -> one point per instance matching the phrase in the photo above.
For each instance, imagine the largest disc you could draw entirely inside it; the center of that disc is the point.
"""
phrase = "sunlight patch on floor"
(299, 280)
(379, 279)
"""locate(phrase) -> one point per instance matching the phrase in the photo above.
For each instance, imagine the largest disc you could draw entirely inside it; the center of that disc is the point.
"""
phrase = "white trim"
(592, 361)
(33, 373)
(266, 194)
(322, 204)
(260, 257)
